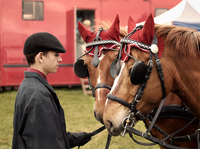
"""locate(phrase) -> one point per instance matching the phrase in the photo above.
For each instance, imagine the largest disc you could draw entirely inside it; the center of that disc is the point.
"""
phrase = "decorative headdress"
(90, 37)
(141, 38)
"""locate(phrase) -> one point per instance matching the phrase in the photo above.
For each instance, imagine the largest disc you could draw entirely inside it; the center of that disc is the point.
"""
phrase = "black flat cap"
(42, 41)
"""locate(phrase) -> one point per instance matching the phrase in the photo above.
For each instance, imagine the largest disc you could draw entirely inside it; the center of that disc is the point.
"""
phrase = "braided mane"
(183, 39)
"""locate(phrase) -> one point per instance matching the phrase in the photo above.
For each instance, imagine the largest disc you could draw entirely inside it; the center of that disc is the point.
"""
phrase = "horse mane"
(106, 25)
(183, 39)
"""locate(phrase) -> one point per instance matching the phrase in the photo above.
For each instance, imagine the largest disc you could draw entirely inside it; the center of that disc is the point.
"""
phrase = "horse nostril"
(113, 129)
(95, 115)
(98, 118)
(110, 126)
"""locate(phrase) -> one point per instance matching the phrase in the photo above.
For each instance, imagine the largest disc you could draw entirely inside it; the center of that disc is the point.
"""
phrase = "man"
(39, 121)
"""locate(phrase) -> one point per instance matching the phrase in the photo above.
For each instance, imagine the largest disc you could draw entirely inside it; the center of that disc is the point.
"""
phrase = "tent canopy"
(186, 13)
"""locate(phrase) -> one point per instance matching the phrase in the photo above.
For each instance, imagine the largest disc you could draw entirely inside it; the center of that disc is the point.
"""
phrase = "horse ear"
(131, 24)
(85, 33)
(113, 31)
(147, 33)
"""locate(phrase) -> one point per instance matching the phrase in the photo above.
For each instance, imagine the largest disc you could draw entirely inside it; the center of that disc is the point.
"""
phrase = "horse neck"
(173, 99)
(186, 79)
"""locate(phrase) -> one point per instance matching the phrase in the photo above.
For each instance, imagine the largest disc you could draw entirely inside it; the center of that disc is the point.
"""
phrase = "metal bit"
(128, 121)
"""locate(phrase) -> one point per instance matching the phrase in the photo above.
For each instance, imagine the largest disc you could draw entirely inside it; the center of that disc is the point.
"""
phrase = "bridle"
(95, 61)
(130, 121)
(138, 96)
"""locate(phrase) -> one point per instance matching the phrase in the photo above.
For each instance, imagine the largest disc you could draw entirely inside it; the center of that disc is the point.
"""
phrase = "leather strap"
(98, 131)
(156, 116)
(152, 139)
(102, 85)
(121, 101)
(108, 141)
(198, 136)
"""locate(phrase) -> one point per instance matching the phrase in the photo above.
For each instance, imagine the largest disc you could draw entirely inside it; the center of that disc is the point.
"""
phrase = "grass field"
(79, 117)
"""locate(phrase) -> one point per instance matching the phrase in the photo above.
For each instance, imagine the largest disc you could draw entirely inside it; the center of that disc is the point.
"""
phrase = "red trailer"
(19, 19)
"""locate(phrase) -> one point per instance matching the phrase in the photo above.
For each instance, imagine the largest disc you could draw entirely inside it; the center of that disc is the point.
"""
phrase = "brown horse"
(96, 62)
(179, 56)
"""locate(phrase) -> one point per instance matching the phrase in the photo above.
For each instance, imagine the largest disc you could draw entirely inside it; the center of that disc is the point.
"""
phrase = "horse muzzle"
(98, 117)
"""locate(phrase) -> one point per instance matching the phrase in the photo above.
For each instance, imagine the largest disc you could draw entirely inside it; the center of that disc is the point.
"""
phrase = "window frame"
(160, 9)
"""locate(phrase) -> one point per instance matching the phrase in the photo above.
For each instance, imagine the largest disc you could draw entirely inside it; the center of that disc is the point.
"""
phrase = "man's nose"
(60, 59)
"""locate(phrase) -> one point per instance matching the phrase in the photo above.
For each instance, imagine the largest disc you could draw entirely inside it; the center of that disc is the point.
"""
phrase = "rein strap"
(151, 138)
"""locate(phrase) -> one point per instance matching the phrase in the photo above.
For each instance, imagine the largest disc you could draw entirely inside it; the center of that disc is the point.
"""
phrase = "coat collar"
(29, 74)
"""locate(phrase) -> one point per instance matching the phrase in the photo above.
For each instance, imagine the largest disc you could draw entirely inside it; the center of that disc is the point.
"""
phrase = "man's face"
(51, 62)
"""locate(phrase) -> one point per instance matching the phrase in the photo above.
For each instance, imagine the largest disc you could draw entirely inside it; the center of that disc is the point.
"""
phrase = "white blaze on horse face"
(99, 78)
(102, 56)
(116, 80)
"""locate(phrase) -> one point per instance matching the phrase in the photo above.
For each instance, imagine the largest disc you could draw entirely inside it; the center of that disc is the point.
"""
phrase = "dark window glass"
(32, 10)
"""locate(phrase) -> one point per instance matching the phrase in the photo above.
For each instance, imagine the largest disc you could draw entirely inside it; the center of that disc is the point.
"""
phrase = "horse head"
(102, 49)
(131, 87)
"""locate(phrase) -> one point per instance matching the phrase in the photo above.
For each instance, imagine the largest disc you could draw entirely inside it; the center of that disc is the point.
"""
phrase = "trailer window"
(160, 11)
(32, 10)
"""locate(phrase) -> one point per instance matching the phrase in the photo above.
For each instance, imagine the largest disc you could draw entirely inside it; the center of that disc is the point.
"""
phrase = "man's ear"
(39, 57)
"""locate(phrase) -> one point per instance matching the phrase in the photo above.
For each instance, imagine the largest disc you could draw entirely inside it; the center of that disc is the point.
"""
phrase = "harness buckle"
(128, 121)
(149, 62)
(140, 116)
(197, 131)
(143, 133)
(136, 98)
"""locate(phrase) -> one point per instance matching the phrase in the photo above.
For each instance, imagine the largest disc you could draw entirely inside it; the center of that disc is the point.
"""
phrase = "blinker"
(80, 69)
(113, 68)
(137, 72)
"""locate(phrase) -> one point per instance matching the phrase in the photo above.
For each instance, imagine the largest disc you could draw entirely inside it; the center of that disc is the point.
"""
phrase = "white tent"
(186, 13)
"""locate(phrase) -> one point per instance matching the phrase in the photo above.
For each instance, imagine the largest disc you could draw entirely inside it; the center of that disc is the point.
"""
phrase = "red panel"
(71, 32)
(1, 16)
(60, 20)
(63, 76)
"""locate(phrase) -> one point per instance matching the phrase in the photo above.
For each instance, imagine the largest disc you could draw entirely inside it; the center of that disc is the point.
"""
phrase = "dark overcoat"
(39, 121)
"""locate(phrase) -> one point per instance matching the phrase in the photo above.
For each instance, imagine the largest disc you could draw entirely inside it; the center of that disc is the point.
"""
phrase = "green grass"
(78, 115)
